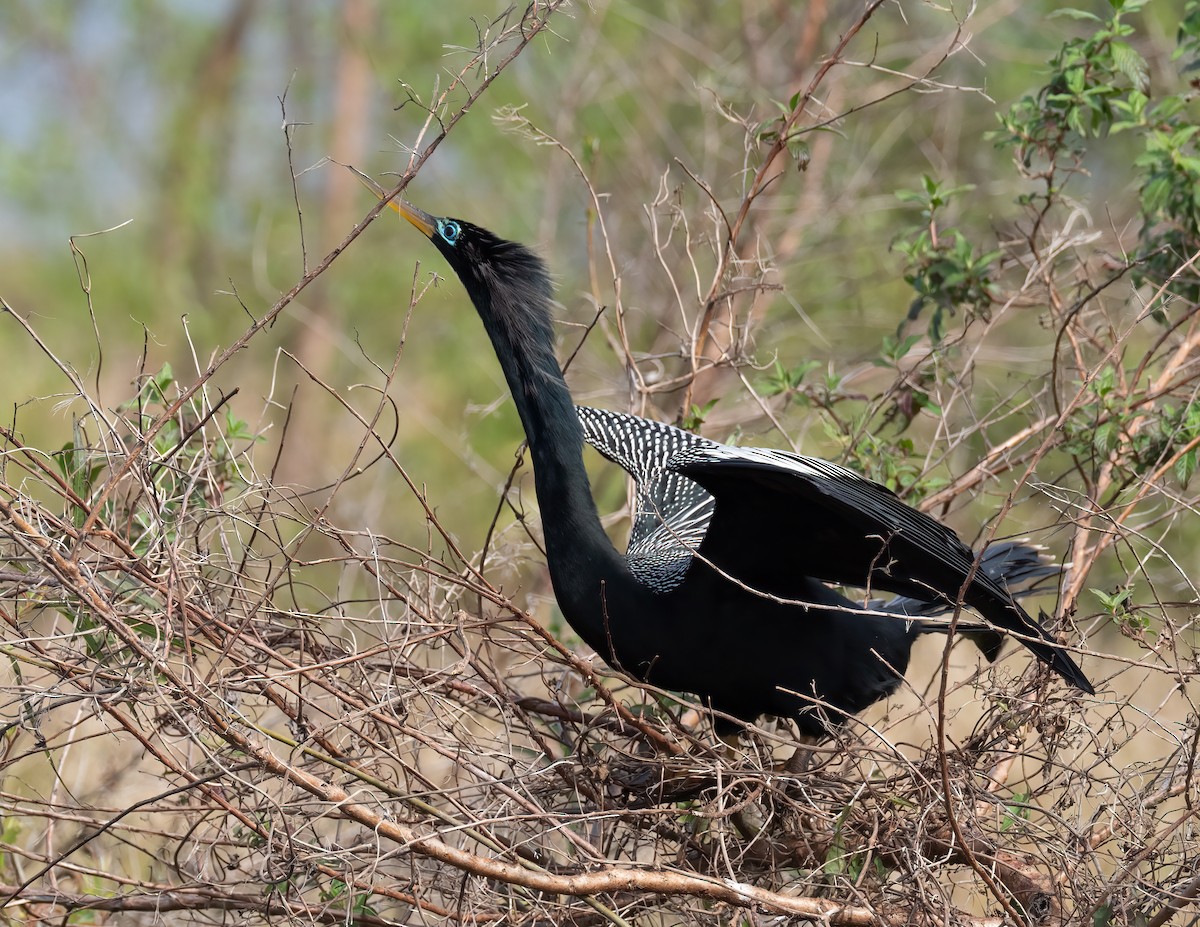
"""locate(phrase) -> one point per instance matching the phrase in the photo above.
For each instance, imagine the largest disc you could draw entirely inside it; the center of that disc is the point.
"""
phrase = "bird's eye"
(449, 230)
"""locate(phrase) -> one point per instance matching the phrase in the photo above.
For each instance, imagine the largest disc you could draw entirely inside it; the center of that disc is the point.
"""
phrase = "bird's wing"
(779, 514)
(671, 512)
(1017, 566)
(785, 512)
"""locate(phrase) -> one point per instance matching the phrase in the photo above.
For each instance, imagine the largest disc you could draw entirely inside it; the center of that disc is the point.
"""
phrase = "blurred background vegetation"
(162, 122)
(953, 282)
(171, 159)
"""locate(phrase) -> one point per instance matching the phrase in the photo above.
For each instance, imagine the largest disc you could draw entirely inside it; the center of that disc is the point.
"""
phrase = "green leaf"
(835, 856)
(697, 414)
(1131, 64)
(1185, 466)
(11, 830)
(1075, 121)
(1155, 195)
(336, 889)
(162, 381)
(1015, 811)
(895, 349)
(800, 152)
(1115, 602)
(1104, 438)
(1070, 13)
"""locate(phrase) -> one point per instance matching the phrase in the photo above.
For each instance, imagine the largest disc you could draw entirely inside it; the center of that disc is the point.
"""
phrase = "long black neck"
(582, 560)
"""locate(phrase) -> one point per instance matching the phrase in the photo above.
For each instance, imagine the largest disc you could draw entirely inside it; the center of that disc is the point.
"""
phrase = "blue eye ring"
(449, 230)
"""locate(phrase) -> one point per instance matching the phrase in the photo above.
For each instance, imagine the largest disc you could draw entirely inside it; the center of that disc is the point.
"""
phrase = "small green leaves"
(1117, 602)
(894, 350)
(787, 382)
(842, 860)
(1129, 619)
(1100, 85)
(942, 265)
(80, 468)
(932, 196)
(768, 132)
(1070, 13)
(1185, 466)
(1016, 810)
(1109, 428)
(1089, 77)
(337, 890)
(696, 415)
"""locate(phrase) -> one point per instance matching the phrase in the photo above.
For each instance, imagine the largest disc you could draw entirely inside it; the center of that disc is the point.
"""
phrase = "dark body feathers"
(727, 541)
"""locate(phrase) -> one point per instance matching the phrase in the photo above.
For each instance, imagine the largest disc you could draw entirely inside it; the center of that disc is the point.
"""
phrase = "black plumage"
(737, 610)
(672, 514)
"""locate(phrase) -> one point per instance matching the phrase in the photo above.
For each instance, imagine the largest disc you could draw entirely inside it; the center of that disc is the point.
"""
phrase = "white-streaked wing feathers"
(671, 512)
(819, 508)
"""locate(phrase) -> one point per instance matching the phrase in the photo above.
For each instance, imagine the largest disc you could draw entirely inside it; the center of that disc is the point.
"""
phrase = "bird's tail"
(1019, 568)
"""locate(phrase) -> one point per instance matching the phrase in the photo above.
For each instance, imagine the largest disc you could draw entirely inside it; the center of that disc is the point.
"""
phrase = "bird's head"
(498, 275)
(489, 266)
(508, 283)
(486, 263)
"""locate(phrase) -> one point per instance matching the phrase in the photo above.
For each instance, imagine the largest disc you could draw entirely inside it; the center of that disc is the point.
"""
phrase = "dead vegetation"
(225, 700)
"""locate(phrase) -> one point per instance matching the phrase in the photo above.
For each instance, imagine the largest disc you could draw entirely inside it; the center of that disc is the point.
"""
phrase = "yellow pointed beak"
(418, 217)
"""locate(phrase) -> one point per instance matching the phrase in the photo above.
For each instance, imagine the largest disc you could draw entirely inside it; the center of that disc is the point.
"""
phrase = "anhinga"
(724, 591)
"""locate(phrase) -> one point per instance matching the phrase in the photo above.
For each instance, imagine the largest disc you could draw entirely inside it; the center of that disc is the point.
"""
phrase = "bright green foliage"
(1131, 621)
(1089, 78)
(1173, 434)
(894, 463)
(80, 469)
(194, 462)
(359, 907)
(788, 382)
(163, 499)
(870, 435)
(1110, 426)
(942, 265)
(1016, 810)
(1115, 603)
(1100, 85)
(1104, 918)
(768, 133)
(696, 415)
